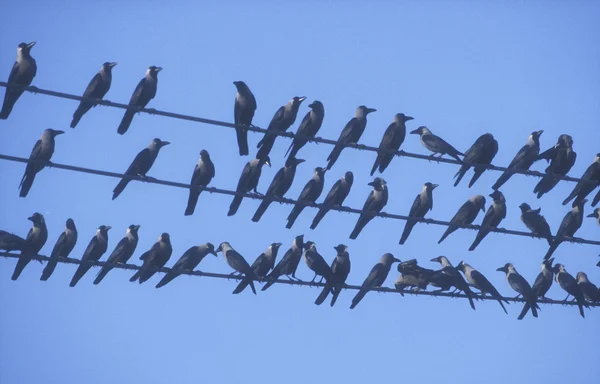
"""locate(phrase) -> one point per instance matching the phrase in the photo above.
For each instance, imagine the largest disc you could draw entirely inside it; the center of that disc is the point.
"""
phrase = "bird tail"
(552, 248)
(476, 175)
(376, 164)
(261, 210)
(571, 196)
(335, 294)
(48, 270)
(333, 156)
(79, 112)
(407, 229)
(480, 236)
(448, 232)
(147, 274)
(105, 269)
(135, 276)
(292, 150)
(120, 187)
(242, 140)
(26, 183)
(81, 270)
(167, 279)
(318, 217)
(21, 264)
(502, 305)
(596, 199)
(360, 224)
(460, 174)
(10, 98)
(470, 297)
(192, 201)
(323, 295)
(501, 180)
(545, 185)
(580, 304)
(359, 296)
(524, 311)
(241, 286)
(235, 204)
(271, 281)
(125, 122)
(296, 211)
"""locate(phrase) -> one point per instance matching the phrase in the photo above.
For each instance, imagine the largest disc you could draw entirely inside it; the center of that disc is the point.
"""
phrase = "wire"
(284, 200)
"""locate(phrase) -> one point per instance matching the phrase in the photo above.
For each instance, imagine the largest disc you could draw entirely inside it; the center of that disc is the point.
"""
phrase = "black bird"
(35, 240)
(279, 186)
(239, 264)
(569, 284)
(248, 181)
(204, 171)
(154, 259)
(423, 203)
(466, 214)
(144, 92)
(390, 142)
(316, 262)
(543, 281)
(519, 284)
(569, 225)
(436, 144)
(310, 193)
(243, 113)
(413, 275)
(96, 89)
(10, 242)
(350, 134)
(595, 215)
(122, 252)
(375, 278)
(94, 251)
(288, 264)
(589, 181)
(524, 158)
(535, 222)
(335, 197)
(377, 199)
(479, 281)
(261, 266)
(21, 74)
(187, 262)
(42, 151)
(281, 122)
(482, 152)
(562, 158)
(340, 269)
(140, 165)
(456, 279)
(308, 128)
(494, 215)
(590, 290)
(63, 247)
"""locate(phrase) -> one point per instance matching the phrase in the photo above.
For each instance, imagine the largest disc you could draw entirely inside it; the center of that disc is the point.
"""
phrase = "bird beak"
(268, 163)
(300, 161)
(214, 253)
(301, 98)
(372, 183)
(30, 218)
(371, 110)
(483, 208)
(407, 118)
(56, 133)
(492, 194)
(501, 269)
(219, 249)
(108, 227)
(137, 227)
(163, 143)
(158, 69)
(30, 45)
(540, 132)
(435, 259)
(592, 215)
(113, 64)
(415, 132)
(396, 260)
(434, 186)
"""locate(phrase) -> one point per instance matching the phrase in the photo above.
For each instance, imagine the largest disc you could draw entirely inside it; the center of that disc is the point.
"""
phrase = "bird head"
(294, 162)
(108, 65)
(525, 207)
(204, 155)
(309, 245)
(505, 268)
(165, 238)
(104, 229)
(389, 259)
(429, 186)
(363, 111)
(547, 264)
(133, 229)
(36, 218)
(402, 118)
(580, 204)
(341, 248)
(316, 106)
(25, 48)
(153, 70)
(479, 202)
(159, 143)
(240, 85)
(211, 249)
(54, 132)
(536, 134)
(320, 171)
(275, 246)
(222, 245)
(595, 214)
(297, 100)
(558, 267)
(581, 276)
(265, 160)
(421, 130)
(496, 195)
(461, 266)
(377, 183)
(70, 224)
(349, 177)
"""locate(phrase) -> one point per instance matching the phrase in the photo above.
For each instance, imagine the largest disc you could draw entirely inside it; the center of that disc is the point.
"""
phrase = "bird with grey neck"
(493, 217)
(340, 269)
(239, 264)
(308, 128)
(281, 122)
(466, 214)
(187, 262)
(376, 277)
(568, 283)
(144, 92)
(562, 158)
(261, 266)
(390, 142)
(535, 222)
(310, 193)
(590, 290)
(94, 251)
(523, 159)
(21, 75)
(481, 153)
(122, 252)
(544, 279)
(335, 197)
(422, 204)
(569, 225)
(316, 262)
(248, 181)
(243, 113)
(455, 278)
(479, 281)
(63, 247)
(522, 287)
(376, 201)
(288, 265)
(589, 181)
(204, 171)
(436, 144)
(351, 133)
(96, 89)
(154, 259)
(35, 240)
(41, 153)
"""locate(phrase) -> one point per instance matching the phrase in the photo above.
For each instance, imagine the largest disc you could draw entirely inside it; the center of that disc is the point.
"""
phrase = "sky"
(460, 68)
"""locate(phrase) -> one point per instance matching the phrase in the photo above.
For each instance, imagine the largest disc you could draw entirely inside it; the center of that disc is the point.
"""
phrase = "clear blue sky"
(460, 68)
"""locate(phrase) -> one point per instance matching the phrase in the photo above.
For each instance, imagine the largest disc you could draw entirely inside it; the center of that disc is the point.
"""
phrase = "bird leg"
(147, 178)
(258, 193)
(321, 280)
(567, 297)
(151, 111)
(519, 295)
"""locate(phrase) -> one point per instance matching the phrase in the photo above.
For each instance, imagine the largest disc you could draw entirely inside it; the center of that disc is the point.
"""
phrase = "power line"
(283, 200)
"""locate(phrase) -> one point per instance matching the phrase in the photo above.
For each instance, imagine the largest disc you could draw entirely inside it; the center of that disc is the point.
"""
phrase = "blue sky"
(460, 68)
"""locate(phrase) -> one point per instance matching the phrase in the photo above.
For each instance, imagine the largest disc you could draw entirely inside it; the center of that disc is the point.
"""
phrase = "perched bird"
(63, 247)
(456, 279)
(377, 199)
(243, 113)
(466, 214)
(543, 281)
(35, 240)
(144, 92)
(203, 173)
(523, 160)
(390, 142)
(122, 252)
(335, 197)
(288, 264)
(482, 152)
(569, 284)
(308, 128)
(569, 225)
(589, 181)
(535, 222)
(310, 193)
(94, 251)
(154, 259)
(436, 144)
(350, 134)
(595, 215)
(375, 278)
(96, 89)
(413, 275)
(279, 186)
(187, 262)
(10, 242)
(41, 153)
(316, 262)
(519, 284)
(494, 215)
(590, 290)
(562, 158)
(340, 269)
(248, 181)
(238, 263)
(281, 122)
(423, 203)
(479, 281)
(21, 74)
(261, 266)
(140, 165)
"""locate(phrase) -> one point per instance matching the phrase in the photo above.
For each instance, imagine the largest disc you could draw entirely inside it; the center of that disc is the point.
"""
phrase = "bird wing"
(308, 192)
(303, 129)
(93, 87)
(236, 112)
(416, 205)
(483, 283)
(259, 260)
(347, 135)
(464, 214)
(565, 224)
(91, 249)
(374, 277)
(183, 260)
(390, 137)
(476, 153)
(333, 194)
(277, 118)
(37, 149)
(369, 204)
(140, 97)
(489, 217)
(523, 156)
(141, 158)
(436, 142)
(13, 73)
(56, 251)
(538, 283)
(275, 186)
(119, 250)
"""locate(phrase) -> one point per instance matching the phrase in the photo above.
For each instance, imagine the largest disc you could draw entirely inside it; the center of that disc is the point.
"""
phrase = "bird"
(187, 262)
(390, 142)
(243, 113)
(261, 266)
(376, 277)
(154, 259)
(238, 263)
(595, 215)
(35, 240)
(94, 251)
(350, 134)
(589, 181)
(544, 280)
(569, 284)
(456, 279)
(423, 203)
(140, 165)
(479, 281)
(569, 225)
(417, 277)
(494, 215)
(96, 89)
(41, 153)
(316, 262)
(122, 252)
(11, 242)
(535, 222)
(523, 159)
(519, 284)
(310, 193)
(279, 186)
(288, 264)
(377, 199)
(340, 269)
(144, 92)
(466, 214)
(204, 171)
(63, 247)
(308, 129)
(590, 290)
(21, 74)
(248, 181)
(562, 158)
(281, 122)
(436, 144)
(482, 152)
(335, 197)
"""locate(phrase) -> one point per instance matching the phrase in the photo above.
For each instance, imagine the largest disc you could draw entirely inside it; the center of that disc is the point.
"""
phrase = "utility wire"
(283, 200)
